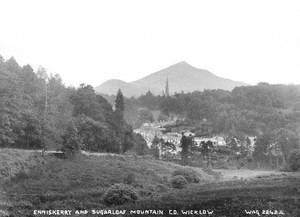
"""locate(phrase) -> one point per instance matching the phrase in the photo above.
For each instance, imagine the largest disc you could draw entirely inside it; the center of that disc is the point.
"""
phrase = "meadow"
(35, 182)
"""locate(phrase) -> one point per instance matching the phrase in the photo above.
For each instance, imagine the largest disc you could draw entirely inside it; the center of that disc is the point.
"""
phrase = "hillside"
(111, 87)
(80, 183)
(181, 76)
(47, 182)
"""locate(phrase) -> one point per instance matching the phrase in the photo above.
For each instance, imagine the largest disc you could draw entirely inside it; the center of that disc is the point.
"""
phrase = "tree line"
(37, 111)
(271, 113)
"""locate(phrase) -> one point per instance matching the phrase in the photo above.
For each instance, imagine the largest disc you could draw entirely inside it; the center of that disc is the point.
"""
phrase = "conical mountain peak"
(182, 63)
(181, 77)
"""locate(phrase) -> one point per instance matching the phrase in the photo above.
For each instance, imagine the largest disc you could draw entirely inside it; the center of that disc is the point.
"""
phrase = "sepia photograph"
(129, 108)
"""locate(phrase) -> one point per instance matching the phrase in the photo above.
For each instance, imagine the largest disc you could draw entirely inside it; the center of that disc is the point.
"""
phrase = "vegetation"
(178, 181)
(190, 175)
(231, 198)
(185, 144)
(71, 142)
(294, 160)
(268, 112)
(119, 194)
(83, 181)
(36, 109)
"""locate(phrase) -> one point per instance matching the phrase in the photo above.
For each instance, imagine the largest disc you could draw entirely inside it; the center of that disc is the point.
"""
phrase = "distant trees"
(22, 103)
(145, 115)
(287, 141)
(293, 162)
(36, 109)
(149, 100)
(268, 112)
(273, 148)
(101, 128)
(261, 146)
(248, 109)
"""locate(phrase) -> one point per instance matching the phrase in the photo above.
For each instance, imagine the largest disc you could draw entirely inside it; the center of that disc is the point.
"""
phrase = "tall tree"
(71, 140)
(185, 144)
(119, 105)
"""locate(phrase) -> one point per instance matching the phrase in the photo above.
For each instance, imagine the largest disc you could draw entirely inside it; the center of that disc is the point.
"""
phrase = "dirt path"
(246, 174)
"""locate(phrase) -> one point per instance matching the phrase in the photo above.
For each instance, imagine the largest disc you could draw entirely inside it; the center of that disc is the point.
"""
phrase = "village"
(156, 129)
(151, 130)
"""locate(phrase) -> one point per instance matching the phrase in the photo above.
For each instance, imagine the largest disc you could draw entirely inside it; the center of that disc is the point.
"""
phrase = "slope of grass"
(80, 183)
(14, 161)
(232, 198)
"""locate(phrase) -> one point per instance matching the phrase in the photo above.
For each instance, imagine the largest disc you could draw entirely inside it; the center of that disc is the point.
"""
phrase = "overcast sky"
(90, 41)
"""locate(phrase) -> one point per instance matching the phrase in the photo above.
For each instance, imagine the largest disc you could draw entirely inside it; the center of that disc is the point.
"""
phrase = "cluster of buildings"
(151, 130)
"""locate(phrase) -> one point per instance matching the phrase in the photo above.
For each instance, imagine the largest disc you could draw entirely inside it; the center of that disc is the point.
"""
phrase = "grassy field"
(48, 182)
(29, 181)
(232, 198)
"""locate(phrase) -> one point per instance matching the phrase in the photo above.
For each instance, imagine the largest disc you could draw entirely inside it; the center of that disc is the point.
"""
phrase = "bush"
(190, 175)
(178, 181)
(119, 194)
(294, 160)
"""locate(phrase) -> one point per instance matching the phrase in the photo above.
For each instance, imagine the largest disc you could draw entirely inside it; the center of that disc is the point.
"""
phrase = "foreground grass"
(79, 184)
(233, 198)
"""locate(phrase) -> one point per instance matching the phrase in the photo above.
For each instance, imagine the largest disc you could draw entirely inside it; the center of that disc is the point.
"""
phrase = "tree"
(85, 102)
(155, 147)
(293, 162)
(119, 105)
(32, 132)
(71, 140)
(145, 115)
(7, 136)
(140, 145)
(206, 149)
(94, 134)
(128, 138)
(185, 144)
(123, 130)
(287, 141)
(261, 146)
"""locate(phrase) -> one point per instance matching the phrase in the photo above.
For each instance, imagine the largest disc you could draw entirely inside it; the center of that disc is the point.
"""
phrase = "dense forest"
(269, 113)
(38, 111)
(250, 110)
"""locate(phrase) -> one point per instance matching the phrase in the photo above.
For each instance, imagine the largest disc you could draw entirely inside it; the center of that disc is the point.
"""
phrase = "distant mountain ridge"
(181, 77)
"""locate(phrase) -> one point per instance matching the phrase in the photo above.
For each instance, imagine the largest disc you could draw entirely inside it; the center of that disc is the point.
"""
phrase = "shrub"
(294, 160)
(119, 194)
(178, 181)
(190, 175)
